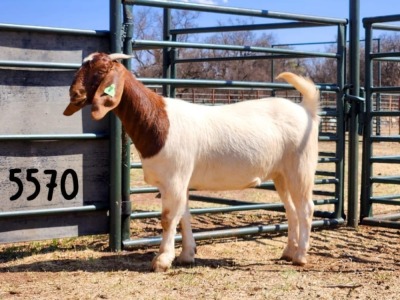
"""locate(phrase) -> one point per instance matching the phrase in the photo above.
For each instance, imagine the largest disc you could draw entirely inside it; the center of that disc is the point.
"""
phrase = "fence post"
(354, 66)
(115, 242)
(126, 209)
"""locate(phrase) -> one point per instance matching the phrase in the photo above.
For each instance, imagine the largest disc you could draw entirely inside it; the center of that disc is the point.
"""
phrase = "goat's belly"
(229, 180)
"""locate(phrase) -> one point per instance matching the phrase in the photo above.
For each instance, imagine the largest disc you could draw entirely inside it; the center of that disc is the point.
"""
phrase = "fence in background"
(330, 174)
(377, 112)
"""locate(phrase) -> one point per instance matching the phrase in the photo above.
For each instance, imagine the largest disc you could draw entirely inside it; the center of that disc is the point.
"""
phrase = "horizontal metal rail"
(328, 137)
(36, 137)
(387, 223)
(388, 138)
(328, 160)
(225, 209)
(384, 55)
(42, 29)
(386, 200)
(393, 159)
(325, 173)
(233, 58)
(324, 153)
(39, 64)
(54, 211)
(143, 190)
(388, 58)
(150, 44)
(236, 11)
(225, 233)
(267, 26)
(380, 19)
(385, 89)
(228, 83)
(386, 179)
(264, 185)
(386, 27)
(385, 113)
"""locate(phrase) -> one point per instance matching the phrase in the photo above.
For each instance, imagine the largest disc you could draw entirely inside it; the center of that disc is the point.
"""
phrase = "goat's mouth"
(75, 105)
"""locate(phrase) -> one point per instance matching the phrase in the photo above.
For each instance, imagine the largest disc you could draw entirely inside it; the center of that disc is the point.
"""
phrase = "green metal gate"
(330, 174)
(374, 113)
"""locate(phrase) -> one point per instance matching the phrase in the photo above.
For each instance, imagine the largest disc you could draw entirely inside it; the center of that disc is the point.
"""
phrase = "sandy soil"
(343, 264)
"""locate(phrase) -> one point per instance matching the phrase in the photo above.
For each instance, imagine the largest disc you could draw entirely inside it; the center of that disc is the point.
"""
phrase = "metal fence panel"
(49, 164)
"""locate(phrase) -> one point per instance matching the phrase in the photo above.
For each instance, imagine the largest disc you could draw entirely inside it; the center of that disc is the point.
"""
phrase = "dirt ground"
(344, 263)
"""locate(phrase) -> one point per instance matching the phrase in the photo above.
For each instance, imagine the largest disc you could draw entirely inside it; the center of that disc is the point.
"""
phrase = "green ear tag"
(110, 90)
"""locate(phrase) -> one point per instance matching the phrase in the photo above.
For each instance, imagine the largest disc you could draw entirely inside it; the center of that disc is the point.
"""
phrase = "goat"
(186, 146)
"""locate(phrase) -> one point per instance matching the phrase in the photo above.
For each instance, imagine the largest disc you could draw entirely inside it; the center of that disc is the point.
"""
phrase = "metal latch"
(358, 103)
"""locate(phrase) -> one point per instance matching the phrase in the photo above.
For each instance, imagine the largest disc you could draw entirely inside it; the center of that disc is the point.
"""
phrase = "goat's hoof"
(161, 263)
(288, 254)
(187, 256)
(299, 260)
(286, 257)
(184, 259)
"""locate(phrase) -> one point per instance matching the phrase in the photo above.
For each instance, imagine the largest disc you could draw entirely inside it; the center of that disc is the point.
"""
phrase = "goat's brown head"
(99, 82)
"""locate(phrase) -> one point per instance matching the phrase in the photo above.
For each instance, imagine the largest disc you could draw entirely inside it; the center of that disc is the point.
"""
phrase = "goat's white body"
(233, 146)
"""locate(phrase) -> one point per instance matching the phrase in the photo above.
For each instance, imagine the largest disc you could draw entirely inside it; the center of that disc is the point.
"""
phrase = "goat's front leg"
(173, 208)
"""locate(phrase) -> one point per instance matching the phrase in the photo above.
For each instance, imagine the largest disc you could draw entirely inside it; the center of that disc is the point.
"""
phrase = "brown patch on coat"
(141, 111)
(144, 116)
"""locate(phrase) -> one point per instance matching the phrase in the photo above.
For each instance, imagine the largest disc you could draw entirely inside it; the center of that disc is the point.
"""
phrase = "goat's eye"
(101, 72)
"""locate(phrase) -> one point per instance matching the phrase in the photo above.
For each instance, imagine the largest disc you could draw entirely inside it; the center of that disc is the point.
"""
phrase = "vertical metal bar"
(366, 189)
(126, 149)
(340, 128)
(166, 51)
(378, 95)
(173, 57)
(353, 123)
(115, 241)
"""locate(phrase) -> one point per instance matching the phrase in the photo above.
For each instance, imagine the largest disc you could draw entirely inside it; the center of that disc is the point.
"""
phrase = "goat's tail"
(307, 88)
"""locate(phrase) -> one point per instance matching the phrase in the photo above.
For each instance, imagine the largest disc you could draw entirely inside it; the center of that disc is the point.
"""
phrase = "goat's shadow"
(132, 262)
(100, 260)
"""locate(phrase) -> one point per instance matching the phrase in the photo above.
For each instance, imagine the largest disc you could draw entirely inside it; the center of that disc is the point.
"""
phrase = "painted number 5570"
(69, 174)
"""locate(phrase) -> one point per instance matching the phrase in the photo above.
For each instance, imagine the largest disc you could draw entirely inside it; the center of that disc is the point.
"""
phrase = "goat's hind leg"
(188, 242)
(293, 224)
(305, 211)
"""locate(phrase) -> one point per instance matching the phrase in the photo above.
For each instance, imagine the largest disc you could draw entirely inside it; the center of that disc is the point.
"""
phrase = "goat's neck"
(143, 115)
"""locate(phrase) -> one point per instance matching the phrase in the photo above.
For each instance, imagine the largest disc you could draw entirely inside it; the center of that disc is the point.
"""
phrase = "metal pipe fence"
(374, 112)
(332, 179)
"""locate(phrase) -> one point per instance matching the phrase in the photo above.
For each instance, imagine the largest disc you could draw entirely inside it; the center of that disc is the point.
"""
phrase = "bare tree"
(148, 24)
(390, 69)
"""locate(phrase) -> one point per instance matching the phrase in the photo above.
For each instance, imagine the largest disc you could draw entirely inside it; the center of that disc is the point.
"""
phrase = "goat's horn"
(115, 56)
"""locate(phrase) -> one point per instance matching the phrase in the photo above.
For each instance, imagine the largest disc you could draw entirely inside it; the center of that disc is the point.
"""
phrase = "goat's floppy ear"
(109, 92)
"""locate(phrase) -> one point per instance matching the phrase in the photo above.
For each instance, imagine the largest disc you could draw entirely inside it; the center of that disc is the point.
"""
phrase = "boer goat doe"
(187, 146)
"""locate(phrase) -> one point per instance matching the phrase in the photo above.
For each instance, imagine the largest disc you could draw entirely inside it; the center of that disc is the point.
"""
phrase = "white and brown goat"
(187, 146)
